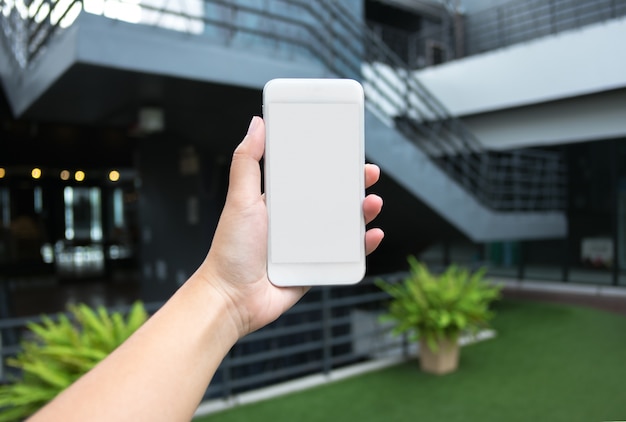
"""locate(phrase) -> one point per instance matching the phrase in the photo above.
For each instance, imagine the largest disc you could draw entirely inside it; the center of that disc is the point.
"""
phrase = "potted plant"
(60, 351)
(436, 309)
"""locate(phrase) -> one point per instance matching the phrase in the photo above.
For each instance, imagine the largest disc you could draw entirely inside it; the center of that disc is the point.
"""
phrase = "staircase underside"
(412, 169)
(87, 69)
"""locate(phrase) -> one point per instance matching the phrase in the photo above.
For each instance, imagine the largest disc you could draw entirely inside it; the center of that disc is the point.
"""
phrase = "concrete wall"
(573, 63)
(565, 88)
(471, 6)
(581, 119)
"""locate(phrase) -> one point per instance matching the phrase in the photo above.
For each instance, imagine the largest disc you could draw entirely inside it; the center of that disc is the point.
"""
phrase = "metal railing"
(499, 26)
(331, 327)
(516, 21)
(501, 180)
(418, 49)
(326, 31)
(27, 26)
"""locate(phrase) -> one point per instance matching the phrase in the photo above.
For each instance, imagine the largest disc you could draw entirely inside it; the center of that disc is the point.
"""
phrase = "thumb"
(245, 172)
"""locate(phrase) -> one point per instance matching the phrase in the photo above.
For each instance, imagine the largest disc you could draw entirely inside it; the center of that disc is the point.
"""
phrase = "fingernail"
(253, 124)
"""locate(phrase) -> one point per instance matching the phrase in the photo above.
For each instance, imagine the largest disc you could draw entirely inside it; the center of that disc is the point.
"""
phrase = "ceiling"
(89, 117)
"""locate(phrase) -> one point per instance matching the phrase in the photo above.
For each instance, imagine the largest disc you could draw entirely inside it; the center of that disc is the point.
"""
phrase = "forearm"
(162, 371)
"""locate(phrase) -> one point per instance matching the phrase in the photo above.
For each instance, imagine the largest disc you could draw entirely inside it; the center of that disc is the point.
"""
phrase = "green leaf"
(439, 305)
(460, 320)
(136, 317)
(59, 352)
(46, 374)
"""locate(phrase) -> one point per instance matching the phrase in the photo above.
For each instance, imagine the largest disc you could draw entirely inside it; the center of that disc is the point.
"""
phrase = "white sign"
(597, 251)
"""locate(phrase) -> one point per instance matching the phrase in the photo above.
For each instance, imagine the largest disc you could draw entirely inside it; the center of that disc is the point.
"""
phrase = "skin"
(161, 372)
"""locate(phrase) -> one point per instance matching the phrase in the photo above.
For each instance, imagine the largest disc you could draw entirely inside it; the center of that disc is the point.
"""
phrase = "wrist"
(223, 315)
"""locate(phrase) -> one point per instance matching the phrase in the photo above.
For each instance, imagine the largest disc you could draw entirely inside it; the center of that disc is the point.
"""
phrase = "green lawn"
(548, 363)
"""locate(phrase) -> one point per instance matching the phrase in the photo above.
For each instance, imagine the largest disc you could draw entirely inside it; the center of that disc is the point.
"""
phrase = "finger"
(372, 205)
(245, 172)
(372, 174)
(373, 237)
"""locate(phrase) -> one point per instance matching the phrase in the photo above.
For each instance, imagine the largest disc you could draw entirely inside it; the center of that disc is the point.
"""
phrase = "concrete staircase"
(485, 195)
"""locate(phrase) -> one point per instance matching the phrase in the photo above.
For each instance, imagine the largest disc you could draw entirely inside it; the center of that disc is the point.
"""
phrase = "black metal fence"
(331, 327)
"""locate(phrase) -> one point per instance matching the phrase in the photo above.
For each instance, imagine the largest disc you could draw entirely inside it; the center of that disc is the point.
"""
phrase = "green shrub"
(60, 352)
(436, 307)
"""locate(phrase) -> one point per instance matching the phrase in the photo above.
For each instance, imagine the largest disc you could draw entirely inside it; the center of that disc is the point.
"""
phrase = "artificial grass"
(548, 363)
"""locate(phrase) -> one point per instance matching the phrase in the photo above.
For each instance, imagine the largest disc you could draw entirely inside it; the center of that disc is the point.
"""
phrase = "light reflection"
(133, 11)
(96, 217)
(118, 208)
(47, 253)
(79, 261)
(38, 11)
(69, 8)
(68, 196)
(178, 15)
(38, 199)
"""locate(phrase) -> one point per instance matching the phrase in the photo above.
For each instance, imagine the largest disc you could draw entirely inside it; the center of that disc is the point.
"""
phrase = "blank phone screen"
(314, 183)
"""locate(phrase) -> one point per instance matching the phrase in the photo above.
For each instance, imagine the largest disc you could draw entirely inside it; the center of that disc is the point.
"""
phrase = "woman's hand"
(236, 264)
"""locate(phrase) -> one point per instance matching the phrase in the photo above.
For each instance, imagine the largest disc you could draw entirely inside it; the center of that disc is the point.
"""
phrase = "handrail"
(348, 48)
(461, 154)
(498, 26)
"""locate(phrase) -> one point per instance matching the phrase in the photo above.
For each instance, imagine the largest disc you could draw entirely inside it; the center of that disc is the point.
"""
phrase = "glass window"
(5, 207)
(83, 216)
(38, 199)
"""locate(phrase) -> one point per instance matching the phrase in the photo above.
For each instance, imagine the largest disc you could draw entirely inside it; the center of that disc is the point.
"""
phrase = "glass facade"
(594, 251)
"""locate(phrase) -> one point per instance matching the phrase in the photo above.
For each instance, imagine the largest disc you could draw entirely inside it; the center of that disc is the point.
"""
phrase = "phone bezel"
(315, 91)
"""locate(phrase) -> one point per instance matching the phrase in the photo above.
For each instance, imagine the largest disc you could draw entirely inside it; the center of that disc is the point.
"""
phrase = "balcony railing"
(460, 35)
(518, 21)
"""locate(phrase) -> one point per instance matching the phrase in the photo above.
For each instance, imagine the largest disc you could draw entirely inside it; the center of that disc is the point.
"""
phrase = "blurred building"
(498, 127)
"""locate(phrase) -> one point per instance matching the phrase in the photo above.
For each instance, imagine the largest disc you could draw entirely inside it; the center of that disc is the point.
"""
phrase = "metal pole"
(227, 389)
(565, 264)
(552, 18)
(615, 210)
(566, 207)
(326, 331)
(500, 41)
(405, 346)
(520, 266)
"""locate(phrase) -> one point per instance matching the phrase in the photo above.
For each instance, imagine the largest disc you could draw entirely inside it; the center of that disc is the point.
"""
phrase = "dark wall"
(594, 173)
(181, 194)
(410, 227)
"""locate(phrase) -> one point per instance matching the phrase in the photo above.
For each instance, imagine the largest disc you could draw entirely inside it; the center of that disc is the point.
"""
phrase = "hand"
(235, 266)
(226, 298)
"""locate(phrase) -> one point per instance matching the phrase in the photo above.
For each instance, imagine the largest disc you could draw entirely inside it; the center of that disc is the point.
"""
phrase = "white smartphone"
(314, 181)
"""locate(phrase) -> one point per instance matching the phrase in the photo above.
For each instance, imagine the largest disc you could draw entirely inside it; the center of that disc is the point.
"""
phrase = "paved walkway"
(616, 304)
